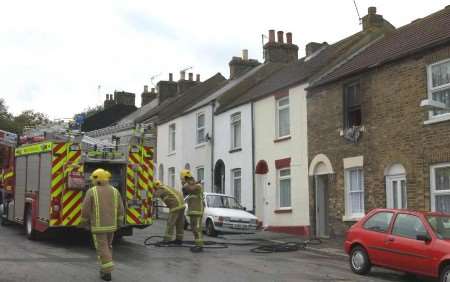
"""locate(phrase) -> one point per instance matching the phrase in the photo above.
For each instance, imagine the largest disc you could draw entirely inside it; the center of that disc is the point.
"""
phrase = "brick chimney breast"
(280, 52)
(372, 19)
(241, 65)
(313, 47)
(166, 88)
(147, 97)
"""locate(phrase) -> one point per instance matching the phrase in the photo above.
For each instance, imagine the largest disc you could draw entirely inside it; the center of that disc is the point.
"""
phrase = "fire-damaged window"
(352, 105)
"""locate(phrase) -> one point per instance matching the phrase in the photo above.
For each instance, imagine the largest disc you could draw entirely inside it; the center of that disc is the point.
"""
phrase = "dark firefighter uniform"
(173, 199)
(102, 210)
(195, 206)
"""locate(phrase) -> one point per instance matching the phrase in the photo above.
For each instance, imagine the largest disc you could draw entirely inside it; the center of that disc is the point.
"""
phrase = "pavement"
(68, 256)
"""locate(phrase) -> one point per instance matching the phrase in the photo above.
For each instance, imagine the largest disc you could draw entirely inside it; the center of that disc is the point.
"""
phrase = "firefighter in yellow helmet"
(102, 210)
(195, 206)
(175, 202)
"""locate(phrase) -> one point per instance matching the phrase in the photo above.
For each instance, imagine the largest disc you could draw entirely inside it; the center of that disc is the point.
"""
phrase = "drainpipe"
(213, 106)
(253, 158)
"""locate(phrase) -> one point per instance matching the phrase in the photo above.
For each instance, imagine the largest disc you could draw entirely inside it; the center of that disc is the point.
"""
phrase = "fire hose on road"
(259, 245)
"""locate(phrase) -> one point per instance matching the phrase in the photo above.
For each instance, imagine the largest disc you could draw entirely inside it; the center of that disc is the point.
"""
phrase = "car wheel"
(445, 274)
(29, 231)
(210, 230)
(359, 261)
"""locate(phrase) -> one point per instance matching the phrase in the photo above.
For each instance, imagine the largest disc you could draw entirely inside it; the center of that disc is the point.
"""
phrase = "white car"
(224, 214)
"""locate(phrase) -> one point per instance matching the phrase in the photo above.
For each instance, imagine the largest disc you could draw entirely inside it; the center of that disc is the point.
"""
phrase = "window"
(201, 128)
(354, 186)
(282, 118)
(172, 131)
(379, 222)
(161, 172)
(352, 105)
(236, 131)
(396, 197)
(201, 174)
(440, 187)
(171, 176)
(439, 85)
(284, 184)
(408, 226)
(236, 183)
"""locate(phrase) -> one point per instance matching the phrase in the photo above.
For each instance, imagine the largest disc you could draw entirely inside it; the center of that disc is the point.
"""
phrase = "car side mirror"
(423, 237)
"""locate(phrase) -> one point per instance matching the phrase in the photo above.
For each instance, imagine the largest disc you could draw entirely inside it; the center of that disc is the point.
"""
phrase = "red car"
(410, 241)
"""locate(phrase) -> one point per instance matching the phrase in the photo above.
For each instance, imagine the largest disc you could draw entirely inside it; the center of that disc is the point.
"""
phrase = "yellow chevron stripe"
(72, 214)
(72, 202)
(77, 221)
(53, 222)
(129, 196)
(54, 182)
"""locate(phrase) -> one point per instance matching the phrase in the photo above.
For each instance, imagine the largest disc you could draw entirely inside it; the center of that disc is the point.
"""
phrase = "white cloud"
(54, 54)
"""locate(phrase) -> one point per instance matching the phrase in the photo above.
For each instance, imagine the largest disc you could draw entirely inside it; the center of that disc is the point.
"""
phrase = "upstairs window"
(171, 176)
(201, 174)
(352, 105)
(236, 131)
(172, 131)
(439, 85)
(200, 128)
(282, 118)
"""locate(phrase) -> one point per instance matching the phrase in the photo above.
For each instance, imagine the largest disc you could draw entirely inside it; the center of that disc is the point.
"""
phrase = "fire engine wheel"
(29, 231)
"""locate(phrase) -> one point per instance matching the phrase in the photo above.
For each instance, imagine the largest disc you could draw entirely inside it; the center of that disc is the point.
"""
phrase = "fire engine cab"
(49, 176)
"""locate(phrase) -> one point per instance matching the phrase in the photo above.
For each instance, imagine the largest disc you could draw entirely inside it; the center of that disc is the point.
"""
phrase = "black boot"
(197, 249)
(105, 276)
(177, 242)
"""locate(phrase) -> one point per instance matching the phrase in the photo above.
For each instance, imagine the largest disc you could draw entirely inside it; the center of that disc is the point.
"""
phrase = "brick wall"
(394, 133)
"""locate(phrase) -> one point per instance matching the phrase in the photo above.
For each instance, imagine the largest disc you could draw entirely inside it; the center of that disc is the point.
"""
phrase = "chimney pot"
(372, 10)
(280, 36)
(289, 37)
(198, 78)
(245, 54)
(271, 35)
(182, 75)
(170, 76)
(107, 97)
(191, 76)
(153, 90)
(145, 88)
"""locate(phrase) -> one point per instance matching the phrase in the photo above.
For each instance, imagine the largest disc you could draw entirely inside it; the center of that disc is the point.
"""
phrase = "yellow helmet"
(100, 175)
(185, 173)
(157, 183)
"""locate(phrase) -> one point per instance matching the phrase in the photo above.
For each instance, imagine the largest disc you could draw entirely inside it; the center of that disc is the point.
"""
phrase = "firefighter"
(195, 207)
(175, 202)
(102, 210)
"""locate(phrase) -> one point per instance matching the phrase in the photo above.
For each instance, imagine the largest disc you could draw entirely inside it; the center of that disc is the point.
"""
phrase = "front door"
(321, 191)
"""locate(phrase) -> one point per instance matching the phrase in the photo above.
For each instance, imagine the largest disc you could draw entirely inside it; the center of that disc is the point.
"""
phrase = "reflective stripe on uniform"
(107, 265)
(104, 229)
(116, 205)
(195, 213)
(96, 207)
(177, 208)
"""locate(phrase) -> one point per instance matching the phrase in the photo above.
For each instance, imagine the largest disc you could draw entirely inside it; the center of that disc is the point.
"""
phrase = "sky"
(60, 57)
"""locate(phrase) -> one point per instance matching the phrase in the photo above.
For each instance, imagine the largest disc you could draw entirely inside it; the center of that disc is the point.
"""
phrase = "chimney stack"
(170, 76)
(145, 88)
(191, 76)
(197, 78)
(280, 52)
(272, 35)
(182, 75)
(245, 54)
(289, 37)
(373, 21)
(241, 65)
(166, 88)
(147, 97)
(313, 47)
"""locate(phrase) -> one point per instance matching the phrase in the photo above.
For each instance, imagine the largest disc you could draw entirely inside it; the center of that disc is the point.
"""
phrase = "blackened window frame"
(352, 108)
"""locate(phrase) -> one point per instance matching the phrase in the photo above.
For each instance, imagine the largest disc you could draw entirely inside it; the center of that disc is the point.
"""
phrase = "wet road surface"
(69, 257)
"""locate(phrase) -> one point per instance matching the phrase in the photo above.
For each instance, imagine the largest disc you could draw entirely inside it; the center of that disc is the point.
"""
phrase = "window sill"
(352, 218)
(437, 119)
(200, 145)
(234, 150)
(171, 153)
(283, 210)
(281, 139)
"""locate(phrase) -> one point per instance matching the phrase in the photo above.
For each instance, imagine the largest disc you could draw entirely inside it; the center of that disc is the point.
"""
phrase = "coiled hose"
(259, 245)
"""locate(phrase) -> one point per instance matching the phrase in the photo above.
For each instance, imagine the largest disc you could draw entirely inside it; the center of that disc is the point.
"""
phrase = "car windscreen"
(440, 225)
(217, 201)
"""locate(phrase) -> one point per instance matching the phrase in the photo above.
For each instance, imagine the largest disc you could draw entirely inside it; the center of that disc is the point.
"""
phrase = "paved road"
(72, 259)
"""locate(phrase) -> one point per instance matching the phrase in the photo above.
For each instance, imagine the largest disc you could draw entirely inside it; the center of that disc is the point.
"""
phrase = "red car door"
(405, 252)
(374, 234)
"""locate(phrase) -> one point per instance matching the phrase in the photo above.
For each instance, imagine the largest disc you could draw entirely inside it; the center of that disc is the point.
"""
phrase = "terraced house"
(370, 142)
